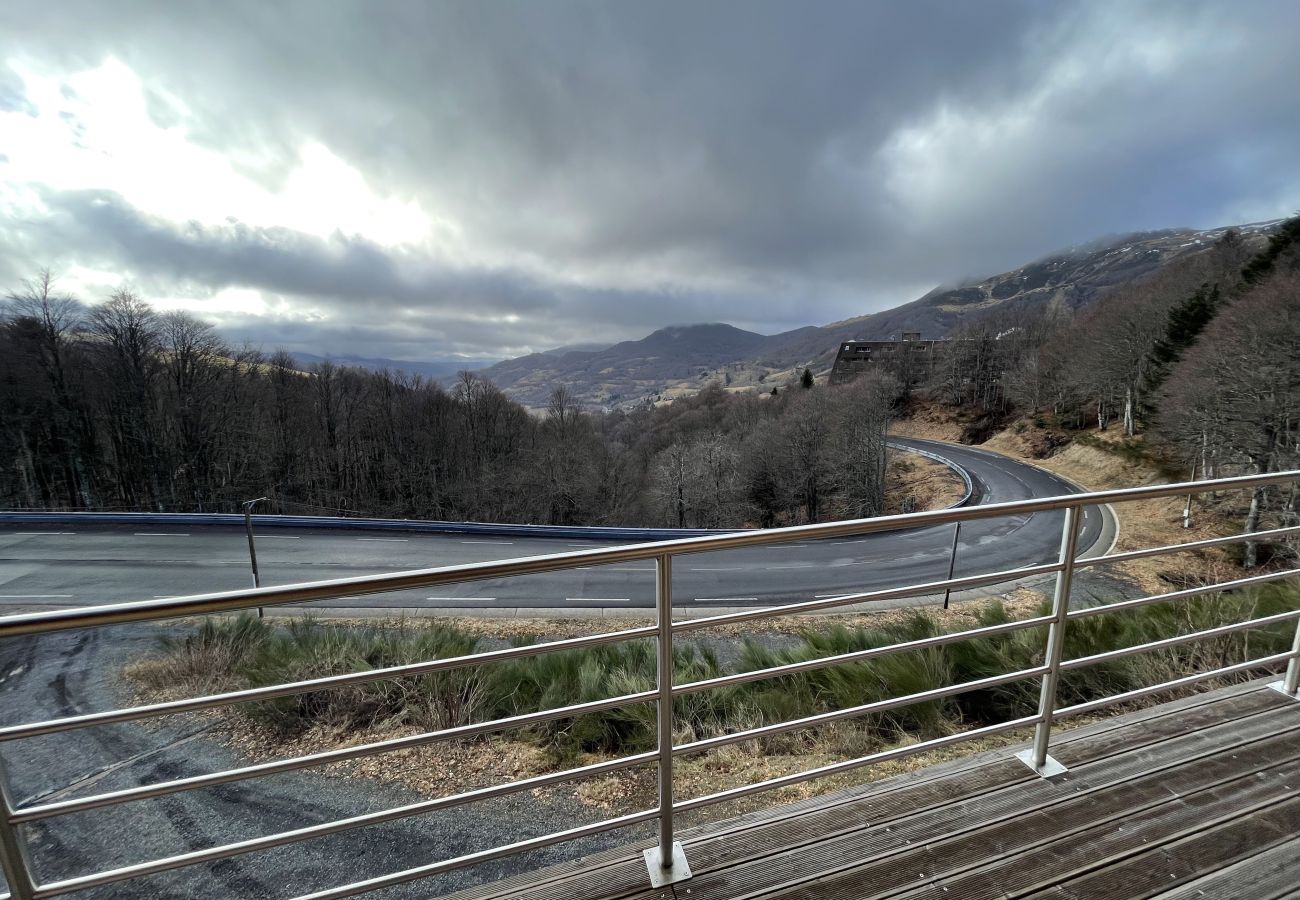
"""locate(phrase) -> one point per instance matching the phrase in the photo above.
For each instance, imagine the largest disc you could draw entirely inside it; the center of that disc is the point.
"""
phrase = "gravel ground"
(73, 672)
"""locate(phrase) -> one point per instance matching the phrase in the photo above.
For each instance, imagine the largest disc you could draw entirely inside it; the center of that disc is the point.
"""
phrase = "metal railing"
(666, 861)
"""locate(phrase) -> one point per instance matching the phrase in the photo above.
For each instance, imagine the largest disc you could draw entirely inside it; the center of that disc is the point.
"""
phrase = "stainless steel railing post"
(14, 861)
(666, 863)
(1037, 758)
(1291, 681)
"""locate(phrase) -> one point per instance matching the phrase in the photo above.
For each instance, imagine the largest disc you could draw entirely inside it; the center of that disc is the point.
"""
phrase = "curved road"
(73, 565)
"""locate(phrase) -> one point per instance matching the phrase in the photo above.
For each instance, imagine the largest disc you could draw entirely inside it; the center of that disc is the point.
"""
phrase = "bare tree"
(1239, 390)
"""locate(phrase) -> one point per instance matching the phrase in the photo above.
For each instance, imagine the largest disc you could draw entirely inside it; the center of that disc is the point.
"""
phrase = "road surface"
(73, 565)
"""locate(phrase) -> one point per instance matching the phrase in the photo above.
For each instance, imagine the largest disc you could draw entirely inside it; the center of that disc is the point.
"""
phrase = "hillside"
(634, 370)
(437, 368)
(680, 360)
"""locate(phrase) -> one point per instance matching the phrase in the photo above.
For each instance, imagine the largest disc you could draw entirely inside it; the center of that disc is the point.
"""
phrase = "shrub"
(207, 658)
(307, 649)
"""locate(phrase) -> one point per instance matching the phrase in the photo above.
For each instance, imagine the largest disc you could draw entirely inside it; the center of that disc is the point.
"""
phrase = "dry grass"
(916, 483)
(1020, 602)
(1144, 523)
(927, 421)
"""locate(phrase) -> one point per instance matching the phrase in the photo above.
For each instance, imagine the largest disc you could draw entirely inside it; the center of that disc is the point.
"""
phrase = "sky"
(481, 179)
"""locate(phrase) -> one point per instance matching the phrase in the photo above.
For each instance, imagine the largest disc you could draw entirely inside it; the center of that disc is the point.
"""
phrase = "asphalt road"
(55, 566)
(80, 671)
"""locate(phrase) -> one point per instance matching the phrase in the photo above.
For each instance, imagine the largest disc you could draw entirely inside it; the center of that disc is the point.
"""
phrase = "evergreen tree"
(806, 379)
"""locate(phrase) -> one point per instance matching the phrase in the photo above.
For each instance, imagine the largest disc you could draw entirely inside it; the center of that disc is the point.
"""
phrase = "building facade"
(908, 358)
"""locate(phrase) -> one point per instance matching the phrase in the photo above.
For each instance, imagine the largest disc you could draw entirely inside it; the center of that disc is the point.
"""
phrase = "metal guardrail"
(429, 526)
(666, 862)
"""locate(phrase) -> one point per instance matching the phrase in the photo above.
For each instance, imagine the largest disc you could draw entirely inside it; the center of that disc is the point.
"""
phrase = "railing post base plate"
(662, 877)
(1050, 769)
(1280, 687)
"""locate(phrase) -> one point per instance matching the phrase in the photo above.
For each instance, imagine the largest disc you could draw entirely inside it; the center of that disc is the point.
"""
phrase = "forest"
(116, 405)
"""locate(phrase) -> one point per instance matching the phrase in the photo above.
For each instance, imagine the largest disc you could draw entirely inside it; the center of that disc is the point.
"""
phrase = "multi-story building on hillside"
(908, 358)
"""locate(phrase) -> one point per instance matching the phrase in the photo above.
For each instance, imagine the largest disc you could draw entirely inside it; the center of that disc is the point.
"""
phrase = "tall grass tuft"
(306, 648)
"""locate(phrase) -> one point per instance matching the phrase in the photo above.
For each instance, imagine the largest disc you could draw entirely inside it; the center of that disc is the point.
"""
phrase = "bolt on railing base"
(1049, 769)
(1280, 687)
(662, 876)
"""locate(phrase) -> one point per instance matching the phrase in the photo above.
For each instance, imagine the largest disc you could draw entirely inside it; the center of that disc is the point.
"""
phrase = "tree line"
(118, 406)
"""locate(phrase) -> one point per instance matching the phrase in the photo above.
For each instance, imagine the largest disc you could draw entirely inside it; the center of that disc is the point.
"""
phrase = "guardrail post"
(1290, 683)
(666, 863)
(14, 861)
(1037, 758)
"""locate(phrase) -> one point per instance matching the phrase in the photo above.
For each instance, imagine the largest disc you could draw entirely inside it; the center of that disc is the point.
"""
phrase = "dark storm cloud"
(389, 297)
(769, 164)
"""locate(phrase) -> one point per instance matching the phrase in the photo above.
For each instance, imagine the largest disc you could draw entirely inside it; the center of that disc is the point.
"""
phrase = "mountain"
(682, 359)
(673, 358)
(435, 368)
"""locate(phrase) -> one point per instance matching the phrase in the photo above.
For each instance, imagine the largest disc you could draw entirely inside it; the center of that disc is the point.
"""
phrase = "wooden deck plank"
(921, 859)
(1118, 840)
(885, 853)
(1180, 861)
(1271, 874)
(917, 824)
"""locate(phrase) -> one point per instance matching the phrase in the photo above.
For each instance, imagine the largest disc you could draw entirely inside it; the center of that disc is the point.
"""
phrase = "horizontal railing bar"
(853, 712)
(226, 601)
(239, 848)
(469, 859)
(1083, 661)
(1188, 545)
(848, 765)
(1138, 694)
(1104, 608)
(191, 704)
(144, 792)
(916, 590)
(858, 655)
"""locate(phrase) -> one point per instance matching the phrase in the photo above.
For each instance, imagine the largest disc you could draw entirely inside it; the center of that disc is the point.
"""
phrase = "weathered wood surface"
(1194, 799)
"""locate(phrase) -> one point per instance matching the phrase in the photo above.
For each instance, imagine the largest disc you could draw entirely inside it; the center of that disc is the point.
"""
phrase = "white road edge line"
(597, 600)
(41, 533)
(726, 599)
(34, 596)
(283, 537)
(386, 540)
(162, 534)
(503, 543)
(461, 598)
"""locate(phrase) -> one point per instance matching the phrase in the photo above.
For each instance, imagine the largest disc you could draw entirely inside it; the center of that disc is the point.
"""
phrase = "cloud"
(345, 289)
(489, 176)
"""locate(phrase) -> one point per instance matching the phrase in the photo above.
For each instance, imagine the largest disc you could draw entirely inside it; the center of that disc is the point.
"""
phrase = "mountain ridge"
(680, 359)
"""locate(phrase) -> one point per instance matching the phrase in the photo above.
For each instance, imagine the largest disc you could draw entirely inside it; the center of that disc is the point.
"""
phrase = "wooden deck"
(1194, 799)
